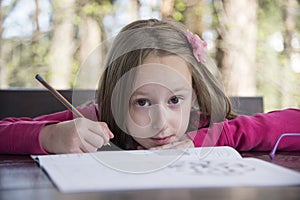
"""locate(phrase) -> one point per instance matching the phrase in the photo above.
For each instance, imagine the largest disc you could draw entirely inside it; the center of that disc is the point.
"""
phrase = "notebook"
(159, 169)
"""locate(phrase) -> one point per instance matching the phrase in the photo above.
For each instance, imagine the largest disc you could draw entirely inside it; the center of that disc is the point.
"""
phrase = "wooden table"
(21, 178)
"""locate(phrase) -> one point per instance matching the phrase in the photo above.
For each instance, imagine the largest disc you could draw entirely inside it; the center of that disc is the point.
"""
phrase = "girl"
(156, 92)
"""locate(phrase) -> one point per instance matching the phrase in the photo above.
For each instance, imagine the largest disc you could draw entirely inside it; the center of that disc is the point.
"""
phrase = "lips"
(161, 140)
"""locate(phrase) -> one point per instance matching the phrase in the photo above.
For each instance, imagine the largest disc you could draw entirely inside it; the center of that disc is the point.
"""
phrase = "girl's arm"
(22, 135)
(258, 132)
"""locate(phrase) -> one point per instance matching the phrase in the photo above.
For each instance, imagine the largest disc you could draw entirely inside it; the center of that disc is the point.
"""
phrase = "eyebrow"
(172, 90)
(181, 89)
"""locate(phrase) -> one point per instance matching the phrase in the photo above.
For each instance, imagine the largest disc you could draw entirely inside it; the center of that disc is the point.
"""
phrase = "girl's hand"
(75, 136)
(184, 142)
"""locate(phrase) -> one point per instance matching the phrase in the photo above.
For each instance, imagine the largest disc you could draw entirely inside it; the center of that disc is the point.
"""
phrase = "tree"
(193, 16)
(89, 54)
(236, 51)
(167, 8)
(135, 11)
(289, 16)
(4, 12)
(62, 46)
(2, 67)
(277, 81)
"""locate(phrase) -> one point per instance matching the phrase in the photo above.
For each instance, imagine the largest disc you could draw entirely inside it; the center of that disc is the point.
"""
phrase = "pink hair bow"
(199, 46)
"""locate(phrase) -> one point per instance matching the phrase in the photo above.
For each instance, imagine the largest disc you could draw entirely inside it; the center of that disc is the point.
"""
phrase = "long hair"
(130, 47)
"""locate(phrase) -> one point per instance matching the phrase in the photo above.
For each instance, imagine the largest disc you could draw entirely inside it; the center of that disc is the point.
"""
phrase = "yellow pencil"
(58, 96)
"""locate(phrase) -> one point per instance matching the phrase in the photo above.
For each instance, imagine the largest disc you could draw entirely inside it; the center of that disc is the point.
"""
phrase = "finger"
(111, 135)
(80, 150)
(166, 146)
(175, 145)
(101, 129)
(77, 150)
(87, 147)
(183, 144)
(94, 140)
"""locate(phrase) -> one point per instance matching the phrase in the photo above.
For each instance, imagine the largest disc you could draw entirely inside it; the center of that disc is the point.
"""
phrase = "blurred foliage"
(24, 56)
(180, 7)
(271, 63)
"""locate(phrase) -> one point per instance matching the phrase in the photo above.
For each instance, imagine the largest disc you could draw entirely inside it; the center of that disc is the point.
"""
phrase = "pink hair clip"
(199, 46)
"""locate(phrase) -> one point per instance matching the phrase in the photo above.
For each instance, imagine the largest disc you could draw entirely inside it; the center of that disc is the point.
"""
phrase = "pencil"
(61, 98)
(58, 96)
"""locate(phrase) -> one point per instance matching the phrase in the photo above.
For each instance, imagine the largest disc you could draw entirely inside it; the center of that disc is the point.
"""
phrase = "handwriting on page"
(206, 167)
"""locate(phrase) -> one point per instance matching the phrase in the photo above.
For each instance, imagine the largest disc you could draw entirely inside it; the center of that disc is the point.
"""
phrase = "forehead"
(173, 62)
(170, 71)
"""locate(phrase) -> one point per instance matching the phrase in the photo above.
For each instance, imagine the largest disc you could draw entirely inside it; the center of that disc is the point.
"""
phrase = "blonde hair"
(130, 47)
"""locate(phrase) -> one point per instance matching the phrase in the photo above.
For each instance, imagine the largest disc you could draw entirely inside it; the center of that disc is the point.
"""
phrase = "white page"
(222, 167)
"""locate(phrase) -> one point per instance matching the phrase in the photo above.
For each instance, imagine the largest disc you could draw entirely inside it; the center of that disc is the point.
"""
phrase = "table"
(289, 160)
(21, 178)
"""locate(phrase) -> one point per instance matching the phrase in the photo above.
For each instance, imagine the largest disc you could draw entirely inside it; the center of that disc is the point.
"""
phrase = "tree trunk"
(167, 8)
(135, 9)
(3, 81)
(35, 41)
(193, 16)
(36, 34)
(237, 45)
(90, 53)
(289, 12)
(62, 47)
(3, 48)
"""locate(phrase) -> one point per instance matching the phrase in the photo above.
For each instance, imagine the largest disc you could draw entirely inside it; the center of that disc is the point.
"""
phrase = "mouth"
(161, 140)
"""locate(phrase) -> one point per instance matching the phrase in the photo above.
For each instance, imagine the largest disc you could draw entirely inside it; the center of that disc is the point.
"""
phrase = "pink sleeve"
(258, 132)
(21, 135)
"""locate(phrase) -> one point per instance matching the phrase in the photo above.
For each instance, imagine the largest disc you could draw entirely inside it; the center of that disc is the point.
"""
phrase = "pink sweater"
(258, 132)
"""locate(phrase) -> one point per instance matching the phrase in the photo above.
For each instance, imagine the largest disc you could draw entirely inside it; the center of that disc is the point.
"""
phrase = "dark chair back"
(247, 105)
(35, 102)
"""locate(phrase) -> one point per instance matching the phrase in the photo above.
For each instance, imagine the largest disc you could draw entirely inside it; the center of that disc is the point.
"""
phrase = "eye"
(175, 100)
(142, 102)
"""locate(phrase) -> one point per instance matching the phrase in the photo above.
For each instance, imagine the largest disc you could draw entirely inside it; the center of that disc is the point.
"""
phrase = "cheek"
(139, 123)
(140, 117)
(182, 120)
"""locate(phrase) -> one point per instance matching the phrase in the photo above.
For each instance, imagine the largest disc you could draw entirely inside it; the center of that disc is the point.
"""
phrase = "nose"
(158, 116)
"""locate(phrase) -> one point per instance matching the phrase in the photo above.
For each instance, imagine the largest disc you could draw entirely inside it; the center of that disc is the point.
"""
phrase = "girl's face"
(160, 105)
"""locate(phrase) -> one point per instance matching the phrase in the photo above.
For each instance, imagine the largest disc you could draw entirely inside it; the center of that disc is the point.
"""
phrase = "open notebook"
(177, 168)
